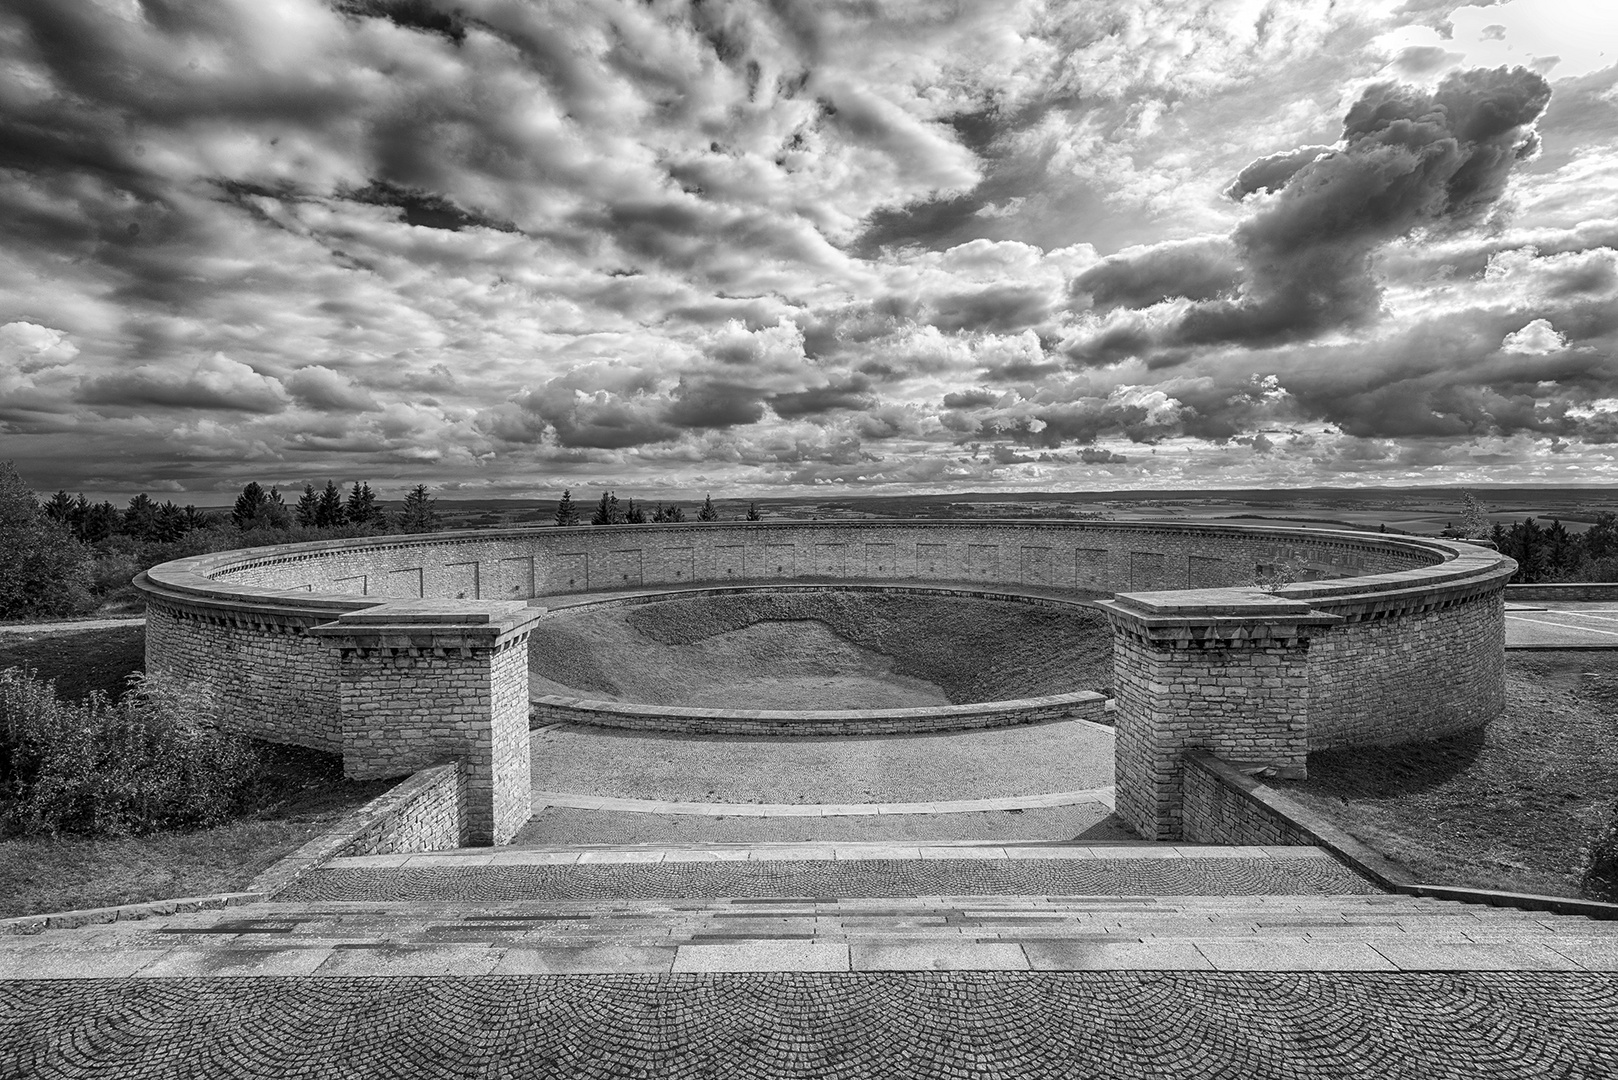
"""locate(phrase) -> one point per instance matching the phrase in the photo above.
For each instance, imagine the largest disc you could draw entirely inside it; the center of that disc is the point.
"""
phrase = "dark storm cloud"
(1193, 269)
(1272, 173)
(714, 405)
(213, 384)
(411, 14)
(1410, 158)
(1004, 308)
(425, 208)
(970, 399)
(852, 392)
(328, 391)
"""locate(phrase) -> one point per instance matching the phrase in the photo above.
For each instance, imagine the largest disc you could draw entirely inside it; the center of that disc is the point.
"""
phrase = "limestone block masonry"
(417, 684)
(400, 650)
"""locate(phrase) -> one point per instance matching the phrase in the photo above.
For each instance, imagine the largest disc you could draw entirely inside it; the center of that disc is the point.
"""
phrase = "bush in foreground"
(151, 761)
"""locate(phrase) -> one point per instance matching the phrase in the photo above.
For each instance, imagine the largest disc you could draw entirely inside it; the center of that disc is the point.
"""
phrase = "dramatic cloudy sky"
(503, 246)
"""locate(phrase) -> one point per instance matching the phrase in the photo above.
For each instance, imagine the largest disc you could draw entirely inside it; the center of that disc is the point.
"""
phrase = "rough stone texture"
(1579, 592)
(270, 678)
(424, 813)
(552, 709)
(1438, 1025)
(414, 693)
(1213, 812)
(1236, 687)
(1416, 668)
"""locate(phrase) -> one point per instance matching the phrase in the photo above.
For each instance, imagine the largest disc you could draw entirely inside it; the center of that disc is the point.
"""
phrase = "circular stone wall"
(1407, 633)
(823, 650)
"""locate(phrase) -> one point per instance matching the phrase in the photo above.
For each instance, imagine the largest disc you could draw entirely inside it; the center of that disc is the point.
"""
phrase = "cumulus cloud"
(1536, 339)
(506, 245)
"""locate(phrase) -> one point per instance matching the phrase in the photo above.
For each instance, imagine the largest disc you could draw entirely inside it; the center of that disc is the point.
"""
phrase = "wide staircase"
(822, 960)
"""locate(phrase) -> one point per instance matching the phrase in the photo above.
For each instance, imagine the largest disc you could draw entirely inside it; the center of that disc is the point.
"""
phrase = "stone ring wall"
(394, 649)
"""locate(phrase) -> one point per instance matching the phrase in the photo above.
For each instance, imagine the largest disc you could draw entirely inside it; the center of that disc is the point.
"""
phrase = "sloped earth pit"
(832, 650)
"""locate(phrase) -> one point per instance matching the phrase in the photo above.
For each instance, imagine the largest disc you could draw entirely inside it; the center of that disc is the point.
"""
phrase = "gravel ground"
(1088, 822)
(1063, 755)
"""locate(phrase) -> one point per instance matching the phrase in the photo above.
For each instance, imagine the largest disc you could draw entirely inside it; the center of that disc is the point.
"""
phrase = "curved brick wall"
(1387, 639)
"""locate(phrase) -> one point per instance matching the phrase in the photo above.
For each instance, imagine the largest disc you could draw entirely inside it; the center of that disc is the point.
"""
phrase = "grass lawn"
(79, 660)
(300, 793)
(1510, 807)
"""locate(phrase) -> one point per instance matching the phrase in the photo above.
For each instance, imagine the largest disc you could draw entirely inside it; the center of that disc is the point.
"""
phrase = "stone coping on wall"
(689, 719)
(1452, 570)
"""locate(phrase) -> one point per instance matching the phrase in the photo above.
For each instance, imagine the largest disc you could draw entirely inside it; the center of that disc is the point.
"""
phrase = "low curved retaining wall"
(1377, 638)
(555, 709)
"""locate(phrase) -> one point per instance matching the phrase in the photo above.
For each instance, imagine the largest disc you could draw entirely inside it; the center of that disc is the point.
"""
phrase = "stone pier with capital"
(420, 682)
(1225, 671)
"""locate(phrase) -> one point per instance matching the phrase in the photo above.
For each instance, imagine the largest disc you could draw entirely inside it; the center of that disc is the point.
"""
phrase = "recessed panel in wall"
(1146, 570)
(405, 584)
(879, 560)
(983, 561)
(1036, 566)
(669, 565)
(780, 560)
(569, 572)
(729, 561)
(1090, 569)
(348, 586)
(620, 569)
(1205, 572)
(831, 560)
(510, 579)
(457, 581)
(931, 561)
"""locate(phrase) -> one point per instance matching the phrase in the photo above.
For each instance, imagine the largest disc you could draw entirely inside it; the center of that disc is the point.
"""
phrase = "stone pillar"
(425, 680)
(1219, 670)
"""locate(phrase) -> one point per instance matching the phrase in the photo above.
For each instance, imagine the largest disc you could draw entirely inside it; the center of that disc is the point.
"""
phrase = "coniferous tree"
(308, 507)
(101, 520)
(249, 505)
(140, 518)
(634, 515)
(567, 512)
(707, 513)
(197, 519)
(674, 514)
(59, 508)
(1601, 538)
(420, 512)
(361, 509)
(276, 514)
(329, 513)
(171, 523)
(607, 511)
(752, 512)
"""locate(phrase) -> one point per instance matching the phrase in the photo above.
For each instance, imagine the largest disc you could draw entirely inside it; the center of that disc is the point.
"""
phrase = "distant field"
(825, 651)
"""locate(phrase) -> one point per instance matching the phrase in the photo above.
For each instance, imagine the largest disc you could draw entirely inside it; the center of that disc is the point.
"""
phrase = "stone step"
(1231, 933)
(812, 870)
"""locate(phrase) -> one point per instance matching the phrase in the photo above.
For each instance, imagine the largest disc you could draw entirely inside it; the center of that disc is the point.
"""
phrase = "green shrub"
(151, 761)
(1601, 870)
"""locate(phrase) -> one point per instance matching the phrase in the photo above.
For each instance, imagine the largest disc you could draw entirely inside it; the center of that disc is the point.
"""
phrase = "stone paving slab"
(840, 852)
(811, 871)
(1236, 933)
(944, 1024)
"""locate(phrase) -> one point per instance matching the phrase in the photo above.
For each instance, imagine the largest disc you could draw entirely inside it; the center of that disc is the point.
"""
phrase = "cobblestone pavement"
(935, 1025)
(821, 877)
